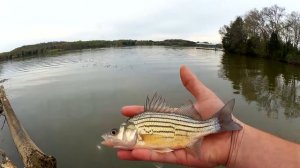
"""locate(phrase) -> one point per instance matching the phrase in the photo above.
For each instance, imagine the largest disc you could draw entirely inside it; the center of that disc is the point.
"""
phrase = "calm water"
(67, 102)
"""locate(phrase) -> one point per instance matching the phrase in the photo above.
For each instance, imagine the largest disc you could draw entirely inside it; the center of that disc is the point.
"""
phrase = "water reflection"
(273, 85)
(67, 102)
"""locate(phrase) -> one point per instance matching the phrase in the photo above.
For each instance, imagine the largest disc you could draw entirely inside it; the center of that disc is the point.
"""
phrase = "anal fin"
(194, 148)
(165, 150)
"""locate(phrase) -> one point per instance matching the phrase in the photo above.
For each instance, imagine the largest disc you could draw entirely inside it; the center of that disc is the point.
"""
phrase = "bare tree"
(293, 24)
(273, 17)
(223, 30)
(254, 23)
(286, 32)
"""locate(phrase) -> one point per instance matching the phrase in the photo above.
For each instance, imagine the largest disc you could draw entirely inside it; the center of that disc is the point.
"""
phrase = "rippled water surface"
(66, 102)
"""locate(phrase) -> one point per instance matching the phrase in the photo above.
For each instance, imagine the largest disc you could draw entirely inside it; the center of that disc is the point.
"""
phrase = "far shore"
(62, 47)
(55, 48)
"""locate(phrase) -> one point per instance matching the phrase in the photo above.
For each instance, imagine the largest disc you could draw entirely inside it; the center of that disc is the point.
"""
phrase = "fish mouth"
(105, 137)
(107, 141)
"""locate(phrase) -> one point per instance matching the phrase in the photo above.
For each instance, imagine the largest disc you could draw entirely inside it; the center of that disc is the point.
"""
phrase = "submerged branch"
(5, 161)
(30, 154)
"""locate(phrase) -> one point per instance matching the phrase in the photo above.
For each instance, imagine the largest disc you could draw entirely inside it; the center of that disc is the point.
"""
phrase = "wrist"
(217, 147)
(236, 141)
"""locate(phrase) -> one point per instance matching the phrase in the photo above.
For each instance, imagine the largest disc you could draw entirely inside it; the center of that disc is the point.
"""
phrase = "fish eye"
(114, 131)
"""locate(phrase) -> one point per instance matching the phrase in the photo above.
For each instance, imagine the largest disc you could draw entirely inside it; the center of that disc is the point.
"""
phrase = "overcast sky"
(33, 21)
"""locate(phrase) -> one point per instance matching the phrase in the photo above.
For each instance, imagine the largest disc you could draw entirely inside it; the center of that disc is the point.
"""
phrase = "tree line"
(270, 32)
(59, 47)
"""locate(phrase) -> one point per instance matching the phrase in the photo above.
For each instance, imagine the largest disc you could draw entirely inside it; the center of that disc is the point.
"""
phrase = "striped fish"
(165, 129)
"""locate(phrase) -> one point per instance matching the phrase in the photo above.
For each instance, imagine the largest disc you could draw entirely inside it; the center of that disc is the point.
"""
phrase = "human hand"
(214, 149)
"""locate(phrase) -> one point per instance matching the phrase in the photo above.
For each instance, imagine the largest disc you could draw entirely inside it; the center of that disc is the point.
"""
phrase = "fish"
(164, 129)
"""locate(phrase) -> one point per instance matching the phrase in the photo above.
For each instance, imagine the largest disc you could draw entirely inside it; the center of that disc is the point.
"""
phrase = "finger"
(130, 111)
(125, 155)
(150, 155)
(193, 85)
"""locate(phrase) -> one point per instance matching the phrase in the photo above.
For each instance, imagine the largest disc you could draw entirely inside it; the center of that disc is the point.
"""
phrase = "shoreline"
(56, 48)
(59, 48)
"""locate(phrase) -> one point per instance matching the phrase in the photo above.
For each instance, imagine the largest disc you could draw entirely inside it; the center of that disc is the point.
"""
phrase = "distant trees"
(58, 47)
(269, 32)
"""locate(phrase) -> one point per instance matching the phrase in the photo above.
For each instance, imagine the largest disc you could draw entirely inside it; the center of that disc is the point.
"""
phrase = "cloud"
(34, 21)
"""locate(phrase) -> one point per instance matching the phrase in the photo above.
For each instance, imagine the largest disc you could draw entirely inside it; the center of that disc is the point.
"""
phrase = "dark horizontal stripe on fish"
(165, 113)
(170, 137)
(203, 130)
(170, 115)
(179, 119)
(164, 126)
(175, 119)
(178, 127)
(147, 114)
(162, 117)
(169, 132)
(166, 122)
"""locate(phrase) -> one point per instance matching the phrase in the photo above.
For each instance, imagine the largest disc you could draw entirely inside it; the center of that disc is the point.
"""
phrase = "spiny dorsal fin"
(189, 110)
(156, 104)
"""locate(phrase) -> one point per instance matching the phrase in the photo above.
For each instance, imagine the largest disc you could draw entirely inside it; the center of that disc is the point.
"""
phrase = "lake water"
(66, 102)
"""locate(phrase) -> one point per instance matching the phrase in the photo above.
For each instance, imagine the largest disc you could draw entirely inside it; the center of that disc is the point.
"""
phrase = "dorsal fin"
(189, 110)
(156, 104)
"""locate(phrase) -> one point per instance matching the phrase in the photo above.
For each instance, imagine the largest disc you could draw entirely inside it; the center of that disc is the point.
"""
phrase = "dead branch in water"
(31, 155)
(5, 162)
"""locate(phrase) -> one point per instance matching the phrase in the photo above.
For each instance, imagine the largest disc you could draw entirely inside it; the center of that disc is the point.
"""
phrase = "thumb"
(193, 85)
(207, 102)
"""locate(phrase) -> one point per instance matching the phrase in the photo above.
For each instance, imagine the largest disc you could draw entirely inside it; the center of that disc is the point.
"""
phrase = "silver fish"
(165, 129)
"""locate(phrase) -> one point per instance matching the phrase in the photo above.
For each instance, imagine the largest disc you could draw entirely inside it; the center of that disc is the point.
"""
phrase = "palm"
(214, 149)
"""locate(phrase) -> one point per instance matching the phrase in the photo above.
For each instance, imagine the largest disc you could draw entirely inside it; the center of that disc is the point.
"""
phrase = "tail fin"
(225, 117)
